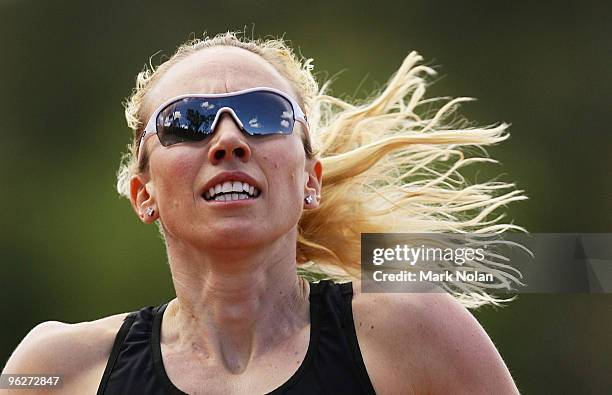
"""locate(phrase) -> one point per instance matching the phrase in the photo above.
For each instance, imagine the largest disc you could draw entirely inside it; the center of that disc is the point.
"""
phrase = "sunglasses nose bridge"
(229, 142)
(222, 111)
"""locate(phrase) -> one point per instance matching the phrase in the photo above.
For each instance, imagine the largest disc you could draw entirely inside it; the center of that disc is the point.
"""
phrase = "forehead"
(216, 70)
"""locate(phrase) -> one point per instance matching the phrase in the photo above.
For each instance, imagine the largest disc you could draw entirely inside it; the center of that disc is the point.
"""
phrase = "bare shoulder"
(426, 343)
(71, 350)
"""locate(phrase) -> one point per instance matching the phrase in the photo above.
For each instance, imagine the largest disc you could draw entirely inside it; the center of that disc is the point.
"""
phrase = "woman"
(232, 141)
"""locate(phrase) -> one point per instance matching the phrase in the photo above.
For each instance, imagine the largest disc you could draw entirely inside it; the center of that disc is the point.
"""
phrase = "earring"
(309, 199)
(150, 211)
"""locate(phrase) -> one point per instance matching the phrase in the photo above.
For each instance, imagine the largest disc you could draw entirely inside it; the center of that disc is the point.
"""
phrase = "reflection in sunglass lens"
(185, 120)
(263, 113)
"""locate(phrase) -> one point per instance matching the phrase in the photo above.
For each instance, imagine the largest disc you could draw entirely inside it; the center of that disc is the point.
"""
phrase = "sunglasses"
(192, 117)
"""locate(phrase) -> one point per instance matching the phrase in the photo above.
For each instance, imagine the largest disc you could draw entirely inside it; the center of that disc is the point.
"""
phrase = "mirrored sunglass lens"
(263, 113)
(188, 119)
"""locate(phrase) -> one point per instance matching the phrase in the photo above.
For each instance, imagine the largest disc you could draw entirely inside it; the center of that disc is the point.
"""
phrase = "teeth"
(231, 197)
(231, 190)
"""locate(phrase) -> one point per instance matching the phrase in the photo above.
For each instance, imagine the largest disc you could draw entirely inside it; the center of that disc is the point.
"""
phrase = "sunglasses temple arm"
(148, 131)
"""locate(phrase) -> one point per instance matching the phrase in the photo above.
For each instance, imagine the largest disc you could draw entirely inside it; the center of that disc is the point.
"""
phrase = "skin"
(240, 321)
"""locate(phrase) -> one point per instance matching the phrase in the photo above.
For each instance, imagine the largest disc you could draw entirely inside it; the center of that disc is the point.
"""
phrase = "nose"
(228, 141)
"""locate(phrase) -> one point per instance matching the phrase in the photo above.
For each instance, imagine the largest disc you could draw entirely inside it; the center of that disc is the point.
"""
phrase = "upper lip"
(230, 176)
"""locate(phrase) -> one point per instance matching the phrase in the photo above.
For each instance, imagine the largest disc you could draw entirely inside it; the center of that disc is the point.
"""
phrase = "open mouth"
(230, 191)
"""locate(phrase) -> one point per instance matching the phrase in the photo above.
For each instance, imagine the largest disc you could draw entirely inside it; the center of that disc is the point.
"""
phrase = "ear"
(142, 197)
(314, 169)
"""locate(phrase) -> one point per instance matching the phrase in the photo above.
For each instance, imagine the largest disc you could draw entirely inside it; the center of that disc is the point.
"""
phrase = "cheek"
(174, 177)
(286, 179)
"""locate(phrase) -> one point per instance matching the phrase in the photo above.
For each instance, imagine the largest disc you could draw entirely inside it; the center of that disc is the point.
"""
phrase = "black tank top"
(333, 363)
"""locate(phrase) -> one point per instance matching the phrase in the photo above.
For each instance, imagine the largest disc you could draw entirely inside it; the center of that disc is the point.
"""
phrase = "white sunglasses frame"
(151, 128)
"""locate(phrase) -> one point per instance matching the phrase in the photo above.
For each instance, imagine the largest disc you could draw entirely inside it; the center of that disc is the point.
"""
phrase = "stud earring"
(150, 211)
(309, 199)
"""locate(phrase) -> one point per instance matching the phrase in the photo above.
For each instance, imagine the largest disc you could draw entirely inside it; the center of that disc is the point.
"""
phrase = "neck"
(234, 304)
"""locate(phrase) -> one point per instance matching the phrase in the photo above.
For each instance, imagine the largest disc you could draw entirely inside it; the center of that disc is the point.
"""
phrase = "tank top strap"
(112, 359)
(338, 324)
(130, 364)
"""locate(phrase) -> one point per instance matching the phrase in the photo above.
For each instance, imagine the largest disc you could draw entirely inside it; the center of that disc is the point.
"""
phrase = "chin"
(234, 236)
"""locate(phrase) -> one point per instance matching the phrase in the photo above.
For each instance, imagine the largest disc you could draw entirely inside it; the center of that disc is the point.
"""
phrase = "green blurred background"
(73, 251)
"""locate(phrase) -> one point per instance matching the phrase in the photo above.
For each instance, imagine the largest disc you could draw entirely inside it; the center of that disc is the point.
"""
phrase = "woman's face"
(178, 174)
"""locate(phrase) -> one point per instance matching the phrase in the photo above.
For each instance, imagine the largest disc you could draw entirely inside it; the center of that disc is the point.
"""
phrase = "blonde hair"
(391, 163)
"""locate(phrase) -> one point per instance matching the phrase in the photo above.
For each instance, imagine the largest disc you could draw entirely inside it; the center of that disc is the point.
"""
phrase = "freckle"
(372, 327)
(360, 324)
